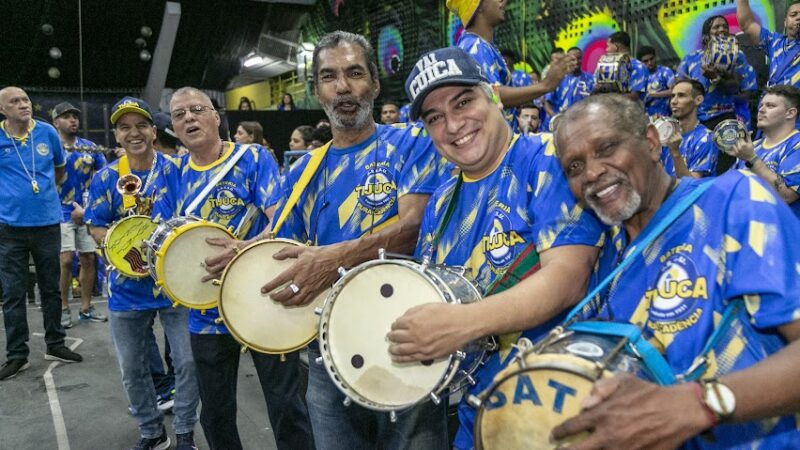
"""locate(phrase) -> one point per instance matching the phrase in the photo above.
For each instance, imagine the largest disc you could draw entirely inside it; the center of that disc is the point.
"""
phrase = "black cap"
(63, 108)
(163, 123)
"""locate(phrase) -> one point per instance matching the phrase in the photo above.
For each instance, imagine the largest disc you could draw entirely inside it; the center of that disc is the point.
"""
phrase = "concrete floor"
(85, 406)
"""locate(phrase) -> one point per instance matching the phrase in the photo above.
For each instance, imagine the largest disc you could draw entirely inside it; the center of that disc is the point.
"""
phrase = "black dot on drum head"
(427, 362)
(357, 361)
(387, 290)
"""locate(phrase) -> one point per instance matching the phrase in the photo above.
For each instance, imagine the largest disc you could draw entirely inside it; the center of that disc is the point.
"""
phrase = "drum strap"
(124, 168)
(217, 178)
(636, 248)
(317, 156)
(523, 266)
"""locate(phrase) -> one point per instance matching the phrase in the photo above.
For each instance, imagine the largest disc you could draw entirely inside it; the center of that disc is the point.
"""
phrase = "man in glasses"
(253, 180)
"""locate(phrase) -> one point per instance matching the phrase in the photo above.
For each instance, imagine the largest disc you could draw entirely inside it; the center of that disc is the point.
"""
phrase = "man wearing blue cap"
(31, 163)
(507, 215)
(132, 303)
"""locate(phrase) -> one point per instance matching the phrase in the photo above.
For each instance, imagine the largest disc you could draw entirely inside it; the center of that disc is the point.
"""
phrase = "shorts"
(76, 237)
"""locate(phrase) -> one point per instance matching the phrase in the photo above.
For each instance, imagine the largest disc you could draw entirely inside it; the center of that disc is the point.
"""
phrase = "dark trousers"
(217, 360)
(724, 161)
(17, 244)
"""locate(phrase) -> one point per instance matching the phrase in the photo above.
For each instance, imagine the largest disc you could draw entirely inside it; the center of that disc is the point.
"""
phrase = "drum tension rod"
(318, 360)
(435, 398)
(392, 416)
(347, 401)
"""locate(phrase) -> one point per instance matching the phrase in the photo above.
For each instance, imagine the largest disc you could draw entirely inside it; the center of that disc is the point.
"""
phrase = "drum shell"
(614, 71)
(450, 373)
(721, 53)
(141, 227)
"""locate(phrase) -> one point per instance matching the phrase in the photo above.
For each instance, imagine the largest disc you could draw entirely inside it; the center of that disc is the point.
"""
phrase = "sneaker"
(165, 402)
(185, 441)
(12, 367)
(159, 443)
(93, 315)
(62, 354)
(66, 318)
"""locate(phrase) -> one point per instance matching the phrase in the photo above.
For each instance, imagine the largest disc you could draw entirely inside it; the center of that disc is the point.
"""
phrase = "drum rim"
(105, 244)
(162, 250)
(221, 308)
(346, 388)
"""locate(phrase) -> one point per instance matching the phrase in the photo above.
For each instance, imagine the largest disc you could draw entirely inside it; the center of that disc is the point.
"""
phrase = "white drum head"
(252, 317)
(361, 315)
(182, 266)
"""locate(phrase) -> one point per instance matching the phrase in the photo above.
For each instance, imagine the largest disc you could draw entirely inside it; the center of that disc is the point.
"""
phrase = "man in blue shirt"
(620, 42)
(656, 100)
(576, 86)
(31, 163)
(691, 150)
(735, 246)
(783, 50)
(81, 164)
(776, 156)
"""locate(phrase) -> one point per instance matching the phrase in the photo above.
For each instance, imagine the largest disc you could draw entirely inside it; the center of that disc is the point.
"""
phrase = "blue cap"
(444, 67)
(130, 104)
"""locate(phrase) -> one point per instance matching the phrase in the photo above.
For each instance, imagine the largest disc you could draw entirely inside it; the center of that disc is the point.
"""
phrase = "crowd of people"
(546, 191)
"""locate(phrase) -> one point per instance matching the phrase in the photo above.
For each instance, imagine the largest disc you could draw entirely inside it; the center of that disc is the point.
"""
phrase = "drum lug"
(174, 304)
(381, 254)
(216, 282)
(318, 360)
(342, 271)
(218, 320)
(435, 398)
(470, 379)
(283, 357)
(460, 355)
(318, 311)
(393, 416)
(474, 401)
(347, 401)
(243, 349)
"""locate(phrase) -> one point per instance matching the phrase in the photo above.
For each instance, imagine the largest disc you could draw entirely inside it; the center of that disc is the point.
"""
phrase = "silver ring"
(295, 289)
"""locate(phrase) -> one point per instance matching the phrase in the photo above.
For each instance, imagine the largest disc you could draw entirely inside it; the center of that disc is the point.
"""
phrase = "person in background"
(320, 136)
(656, 100)
(81, 165)
(245, 104)
(620, 42)
(287, 103)
(390, 113)
(576, 86)
(782, 49)
(249, 132)
(166, 141)
(301, 138)
(529, 119)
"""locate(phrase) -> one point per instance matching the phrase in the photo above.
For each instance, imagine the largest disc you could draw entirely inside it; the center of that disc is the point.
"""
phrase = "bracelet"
(698, 392)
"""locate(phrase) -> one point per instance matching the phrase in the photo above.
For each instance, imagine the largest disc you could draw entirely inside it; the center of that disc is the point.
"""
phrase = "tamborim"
(176, 253)
(721, 53)
(359, 313)
(253, 318)
(123, 248)
(613, 73)
(727, 133)
(666, 127)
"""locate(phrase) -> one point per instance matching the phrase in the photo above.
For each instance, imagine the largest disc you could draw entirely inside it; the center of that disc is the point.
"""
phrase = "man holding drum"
(507, 214)
(133, 302)
(727, 261)
(776, 157)
(690, 149)
(242, 199)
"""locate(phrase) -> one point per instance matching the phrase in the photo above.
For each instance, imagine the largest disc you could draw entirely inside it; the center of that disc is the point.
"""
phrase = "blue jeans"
(339, 427)
(17, 245)
(130, 330)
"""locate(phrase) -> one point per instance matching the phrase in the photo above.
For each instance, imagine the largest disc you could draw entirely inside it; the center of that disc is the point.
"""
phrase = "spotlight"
(252, 60)
(146, 31)
(145, 55)
(140, 42)
(55, 53)
(53, 72)
(47, 29)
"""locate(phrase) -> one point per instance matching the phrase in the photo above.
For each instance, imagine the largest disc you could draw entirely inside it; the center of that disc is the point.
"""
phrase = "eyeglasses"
(194, 109)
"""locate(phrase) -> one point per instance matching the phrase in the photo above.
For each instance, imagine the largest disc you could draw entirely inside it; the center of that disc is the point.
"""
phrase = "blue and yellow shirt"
(79, 170)
(19, 205)
(698, 150)
(571, 90)
(738, 240)
(491, 62)
(254, 179)
(355, 189)
(782, 158)
(640, 77)
(784, 58)
(105, 208)
(660, 80)
(716, 102)
(524, 201)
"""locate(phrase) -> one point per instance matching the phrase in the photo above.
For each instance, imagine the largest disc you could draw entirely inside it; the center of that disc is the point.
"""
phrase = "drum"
(613, 73)
(123, 245)
(666, 127)
(359, 313)
(727, 133)
(544, 386)
(721, 53)
(253, 318)
(176, 253)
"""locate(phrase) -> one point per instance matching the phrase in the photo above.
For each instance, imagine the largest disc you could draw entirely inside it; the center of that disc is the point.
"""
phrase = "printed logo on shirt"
(377, 191)
(225, 203)
(678, 289)
(499, 242)
(42, 149)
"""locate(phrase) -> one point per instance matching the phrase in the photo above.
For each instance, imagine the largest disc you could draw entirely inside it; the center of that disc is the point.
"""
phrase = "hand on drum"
(215, 265)
(428, 332)
(626, 412)
(313, 271)
(710, 72)
(744, 149)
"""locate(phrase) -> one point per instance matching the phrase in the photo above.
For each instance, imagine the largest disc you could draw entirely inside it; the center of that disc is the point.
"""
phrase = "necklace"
(149, 179)
(32, 174)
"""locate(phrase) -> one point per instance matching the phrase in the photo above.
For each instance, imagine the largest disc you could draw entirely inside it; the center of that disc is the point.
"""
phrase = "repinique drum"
(613, 73)
(666, 127)
(544, 386)
(176, 253)
(359, 313)
(123, 245)
(255, 320)
(727, 133)
(721, 53)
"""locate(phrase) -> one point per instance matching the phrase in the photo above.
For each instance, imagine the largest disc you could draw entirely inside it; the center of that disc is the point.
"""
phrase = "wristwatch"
(719, 399)
(751, 162)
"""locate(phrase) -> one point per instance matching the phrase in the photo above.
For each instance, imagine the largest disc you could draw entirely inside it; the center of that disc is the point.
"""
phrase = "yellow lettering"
(700, 289)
